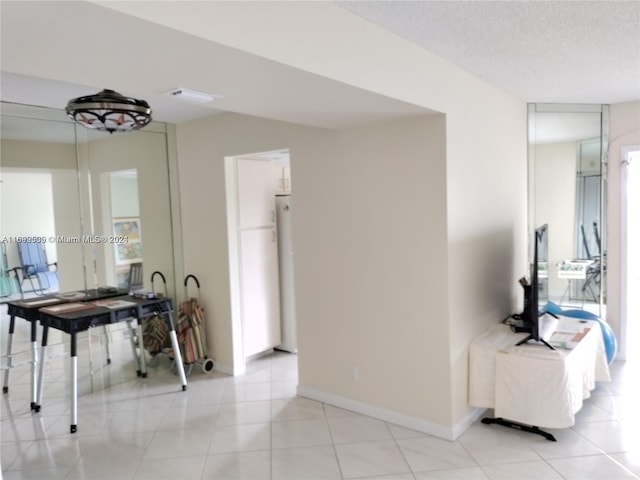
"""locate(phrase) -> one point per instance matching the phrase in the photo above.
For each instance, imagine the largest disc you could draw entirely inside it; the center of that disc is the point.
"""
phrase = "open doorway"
(27, 211)
(630, 236)
(258, 195)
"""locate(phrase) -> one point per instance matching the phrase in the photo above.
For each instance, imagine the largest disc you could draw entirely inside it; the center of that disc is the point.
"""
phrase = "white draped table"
(532, 384)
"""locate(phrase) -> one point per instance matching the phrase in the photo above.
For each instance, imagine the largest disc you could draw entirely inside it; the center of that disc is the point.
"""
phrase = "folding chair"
(595, 271)
(34, 266)
(136, 280)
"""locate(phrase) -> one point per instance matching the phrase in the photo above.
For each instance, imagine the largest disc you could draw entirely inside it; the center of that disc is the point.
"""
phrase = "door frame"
(624, 248)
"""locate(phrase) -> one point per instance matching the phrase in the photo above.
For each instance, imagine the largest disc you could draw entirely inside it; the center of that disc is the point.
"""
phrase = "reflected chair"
(135, 283)
(597, 270)
(34, 266)
(8, 276)
(136, 280)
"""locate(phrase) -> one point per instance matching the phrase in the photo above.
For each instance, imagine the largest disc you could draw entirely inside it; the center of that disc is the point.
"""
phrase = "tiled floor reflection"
(254, 427)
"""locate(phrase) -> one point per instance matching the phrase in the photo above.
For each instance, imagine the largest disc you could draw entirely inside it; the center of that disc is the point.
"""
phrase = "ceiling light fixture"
(192, 95)
(109, 111)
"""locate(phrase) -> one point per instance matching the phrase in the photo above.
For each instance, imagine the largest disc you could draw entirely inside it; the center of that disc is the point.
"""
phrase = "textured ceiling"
(541, 51)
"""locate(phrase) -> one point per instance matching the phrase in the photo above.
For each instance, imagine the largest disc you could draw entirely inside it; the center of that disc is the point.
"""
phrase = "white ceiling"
(542, 51)
(53, 51)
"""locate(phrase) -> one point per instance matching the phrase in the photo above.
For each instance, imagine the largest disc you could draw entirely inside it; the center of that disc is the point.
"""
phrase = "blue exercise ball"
(582, 314)
(553, 308)
(610, 344)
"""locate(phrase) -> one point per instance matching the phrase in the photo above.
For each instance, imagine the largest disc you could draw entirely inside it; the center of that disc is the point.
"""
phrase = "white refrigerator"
(287, 283)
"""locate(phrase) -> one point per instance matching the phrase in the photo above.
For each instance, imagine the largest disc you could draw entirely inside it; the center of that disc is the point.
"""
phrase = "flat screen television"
(536, 291)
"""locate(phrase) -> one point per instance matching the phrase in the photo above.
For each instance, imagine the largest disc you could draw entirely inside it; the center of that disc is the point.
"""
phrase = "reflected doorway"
(27, 211)
(124, 223)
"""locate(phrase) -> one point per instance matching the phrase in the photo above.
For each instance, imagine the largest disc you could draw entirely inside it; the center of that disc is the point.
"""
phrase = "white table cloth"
(531, 383)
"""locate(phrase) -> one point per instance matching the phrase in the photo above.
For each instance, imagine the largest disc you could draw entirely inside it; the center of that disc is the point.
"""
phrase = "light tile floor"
(254, 427)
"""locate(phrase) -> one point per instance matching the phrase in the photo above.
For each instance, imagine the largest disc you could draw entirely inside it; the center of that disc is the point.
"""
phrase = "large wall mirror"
(97, 201)
(567, 190)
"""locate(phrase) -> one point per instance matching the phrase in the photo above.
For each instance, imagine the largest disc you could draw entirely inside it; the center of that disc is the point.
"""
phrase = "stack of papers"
(67, 308)
(72, 296)
(567, 340)
(40, 302)
(114, 304)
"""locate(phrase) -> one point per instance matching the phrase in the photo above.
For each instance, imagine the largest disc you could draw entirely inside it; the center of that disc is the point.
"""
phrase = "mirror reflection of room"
(32, 222)
(566, 149)
(62, 182)
(40, 200)
(128, 180)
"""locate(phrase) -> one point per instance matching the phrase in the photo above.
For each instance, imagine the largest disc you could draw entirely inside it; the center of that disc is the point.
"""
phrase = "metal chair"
(595, 271)
(35, 267)
(136, 280)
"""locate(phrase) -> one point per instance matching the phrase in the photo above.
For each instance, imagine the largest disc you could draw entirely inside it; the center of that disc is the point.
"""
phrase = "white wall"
(487, 223)
(371, 268)
(555, 204)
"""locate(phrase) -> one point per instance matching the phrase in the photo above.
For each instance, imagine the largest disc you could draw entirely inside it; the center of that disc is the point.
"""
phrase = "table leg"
(176, 350)
(12, 324)
(74, 384)
(45, 337)
(107, 344)
(132, 337)
(34, 364)
(143, 363)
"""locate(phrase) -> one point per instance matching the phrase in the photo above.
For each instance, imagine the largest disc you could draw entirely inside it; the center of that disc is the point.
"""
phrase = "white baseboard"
(226, 369)
(471, 418)
(418, 424)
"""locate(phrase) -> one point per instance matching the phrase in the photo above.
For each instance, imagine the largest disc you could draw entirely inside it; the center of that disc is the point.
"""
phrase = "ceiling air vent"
(192, 95)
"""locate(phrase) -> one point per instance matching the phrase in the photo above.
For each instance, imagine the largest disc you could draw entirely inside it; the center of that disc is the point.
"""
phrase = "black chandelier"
(109, 111)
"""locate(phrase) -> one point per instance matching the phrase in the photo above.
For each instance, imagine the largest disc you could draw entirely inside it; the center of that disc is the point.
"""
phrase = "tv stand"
(544, 328)
(519, 426)
(530, 337)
